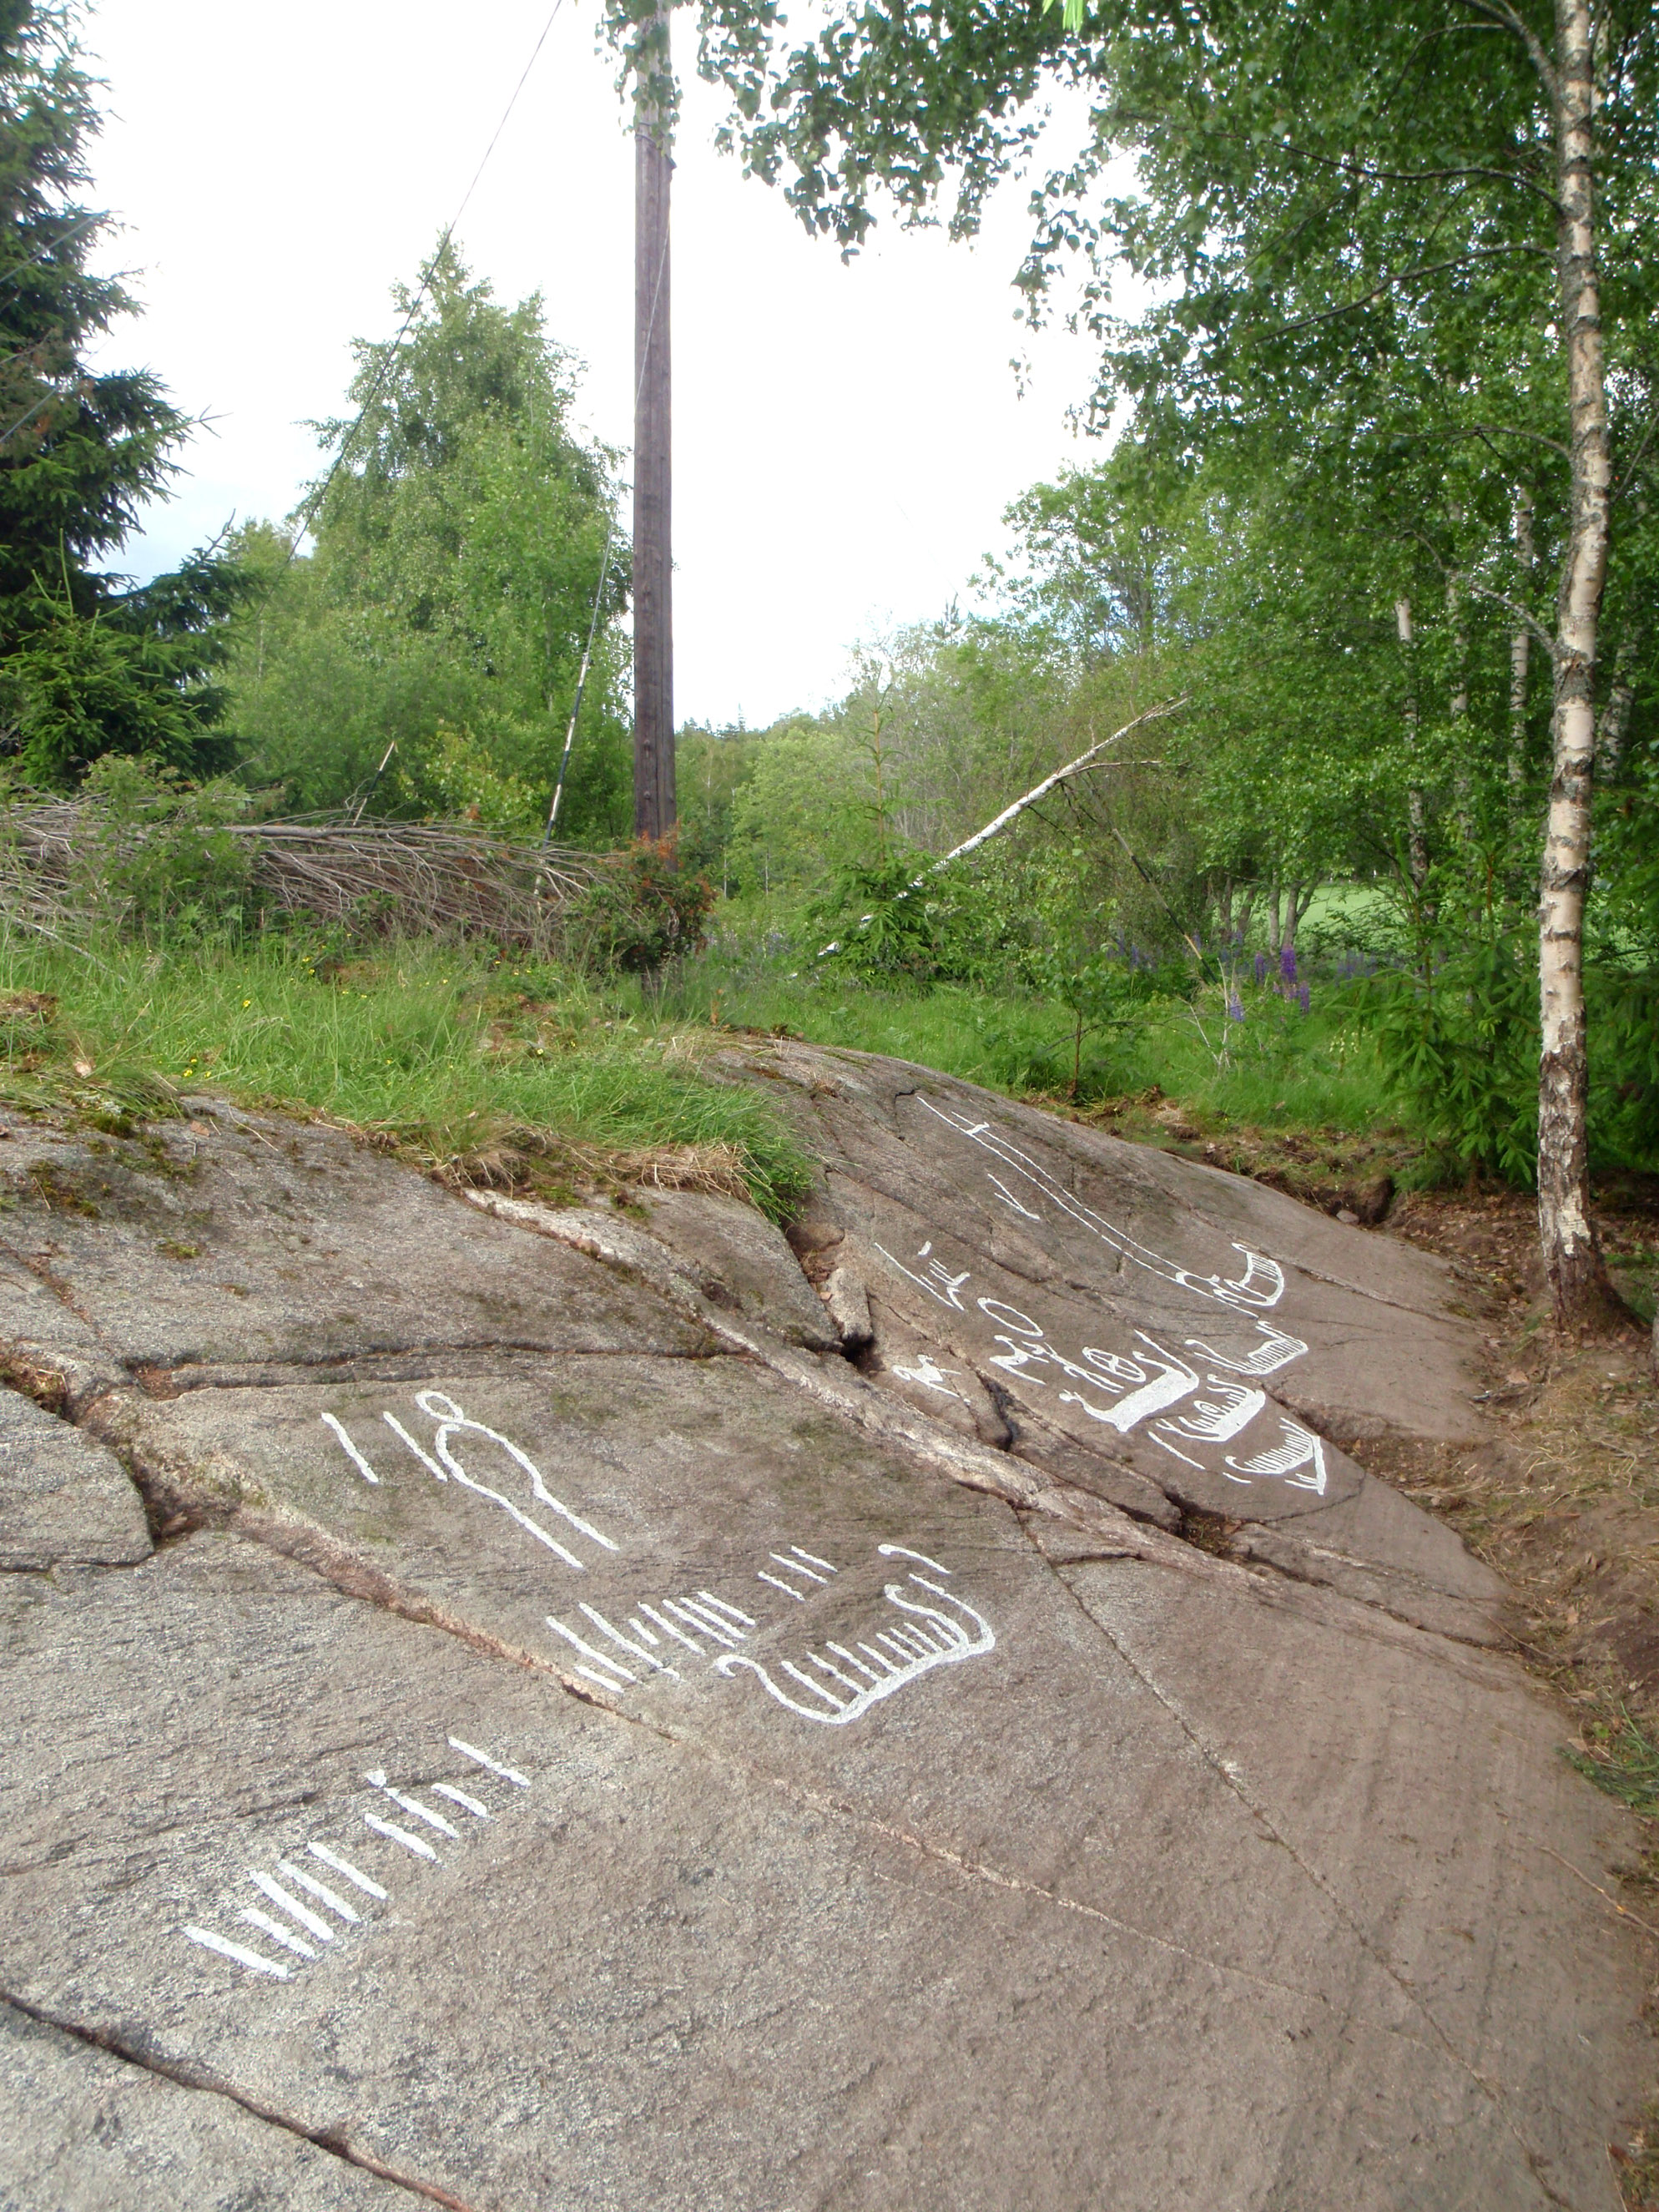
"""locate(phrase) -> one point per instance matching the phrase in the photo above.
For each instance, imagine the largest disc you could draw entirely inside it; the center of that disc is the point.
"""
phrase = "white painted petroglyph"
(401, 1836)
(239, 1953)
(668, 1627)
(903, 1552)
(296, 1877)
(1122, 1391)
(351, 1451)
(626, 1643)
(419, 1451)
(932, 1376)
(939, 1282)
(1275, 1351)
(276, 1930)
(1301, 1448)
(747, 1619)
(483, 1759)
(843, 1682)
(703, 1618)
(1008, 1198)
(762, 1576)
(369, 1886)
(459, 1797)
(445, 1466)
(321, 1891)
(1262, 1283)
(312, 1923)
(376, 1780)
(928, 1639)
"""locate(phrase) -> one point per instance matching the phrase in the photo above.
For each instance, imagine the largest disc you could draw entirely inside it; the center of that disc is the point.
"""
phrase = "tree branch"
(1424, 269)
(1499, 11)
(1368, 175)
(1049, 783)
(1515, 607)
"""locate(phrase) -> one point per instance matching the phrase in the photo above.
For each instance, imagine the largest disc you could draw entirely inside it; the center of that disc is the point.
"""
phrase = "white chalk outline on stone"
(274, 1929)
(376, 1780)
(911, 1651)
(369, 1886)
(302, 1915)
(449, 1417)
(459, 1797)
(351, 1451)
(1227, 1290)
(401, 1836)
(238, 1953)
(1301, 1447)
(320, 1891)
(471, 1751)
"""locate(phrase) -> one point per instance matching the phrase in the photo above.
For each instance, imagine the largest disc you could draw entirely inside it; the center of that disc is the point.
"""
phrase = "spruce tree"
(87, 666)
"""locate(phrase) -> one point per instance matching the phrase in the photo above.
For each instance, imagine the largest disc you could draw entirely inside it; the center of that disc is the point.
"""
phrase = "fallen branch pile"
(63, 859)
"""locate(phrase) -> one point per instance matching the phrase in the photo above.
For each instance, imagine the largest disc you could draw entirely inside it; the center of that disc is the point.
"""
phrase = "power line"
(390, 354)
(51, 246)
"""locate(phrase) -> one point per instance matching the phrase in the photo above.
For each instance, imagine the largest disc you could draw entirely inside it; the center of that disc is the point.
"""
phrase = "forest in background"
(1322, 565)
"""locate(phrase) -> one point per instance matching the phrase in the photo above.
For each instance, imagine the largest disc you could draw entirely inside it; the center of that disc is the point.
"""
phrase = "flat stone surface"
(600, 1767)
(246, 1242)
(741, 1261)
(86, 2132)
(1150, 1329)
(63, 1498)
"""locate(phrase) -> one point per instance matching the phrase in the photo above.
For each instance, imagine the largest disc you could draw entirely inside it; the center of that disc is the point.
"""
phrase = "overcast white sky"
(846, 437)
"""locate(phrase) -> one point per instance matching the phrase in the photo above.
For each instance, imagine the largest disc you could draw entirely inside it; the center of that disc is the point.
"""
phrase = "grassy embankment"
(446, 1053)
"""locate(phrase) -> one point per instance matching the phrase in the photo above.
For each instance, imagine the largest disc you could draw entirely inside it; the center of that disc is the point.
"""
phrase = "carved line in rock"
(1151, 1383)
(893, 1656)
(930, 1639)
(302, 1930)
(451, 1422)
(1262, 1283)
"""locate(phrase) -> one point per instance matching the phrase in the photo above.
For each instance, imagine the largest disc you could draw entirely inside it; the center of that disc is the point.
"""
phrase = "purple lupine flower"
(1261, 967)
(1287, 962)
(1302, 997)
(1234, 1005)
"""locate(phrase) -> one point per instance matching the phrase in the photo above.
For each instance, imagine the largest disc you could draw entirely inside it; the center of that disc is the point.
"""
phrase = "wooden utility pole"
(654, 809)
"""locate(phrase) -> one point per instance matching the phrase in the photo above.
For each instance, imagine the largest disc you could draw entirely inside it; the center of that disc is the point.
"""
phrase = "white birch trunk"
(1580, 1292)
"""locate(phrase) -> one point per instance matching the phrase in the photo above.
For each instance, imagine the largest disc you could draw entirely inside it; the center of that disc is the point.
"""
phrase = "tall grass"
(438, 1047)
(1279, 1067)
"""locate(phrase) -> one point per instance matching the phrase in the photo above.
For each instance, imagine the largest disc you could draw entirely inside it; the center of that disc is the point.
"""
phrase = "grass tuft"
(438, 1051)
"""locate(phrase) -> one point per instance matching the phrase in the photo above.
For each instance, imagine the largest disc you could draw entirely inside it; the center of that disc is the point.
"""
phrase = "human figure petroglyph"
(442, 1464)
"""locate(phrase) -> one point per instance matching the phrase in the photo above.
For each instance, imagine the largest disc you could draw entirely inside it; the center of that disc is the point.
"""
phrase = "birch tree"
(1371, 232)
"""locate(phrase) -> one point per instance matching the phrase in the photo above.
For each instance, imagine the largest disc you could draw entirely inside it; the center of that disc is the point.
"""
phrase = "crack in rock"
(334, 2139)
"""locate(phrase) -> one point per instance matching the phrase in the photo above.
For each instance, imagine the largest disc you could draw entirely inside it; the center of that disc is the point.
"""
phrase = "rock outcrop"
(500, 1710)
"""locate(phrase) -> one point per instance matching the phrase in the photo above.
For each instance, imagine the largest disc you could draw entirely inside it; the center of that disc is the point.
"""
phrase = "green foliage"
(644, 909)
(892, 923)
(156, 859)
(458, 549)
(88, 666)
(1624, 1762)
(441, 1048)
(1462, 1052)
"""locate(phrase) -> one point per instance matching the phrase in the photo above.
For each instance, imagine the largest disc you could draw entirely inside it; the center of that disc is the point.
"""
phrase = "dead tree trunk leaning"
(654, 809)
(1580, 1290)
